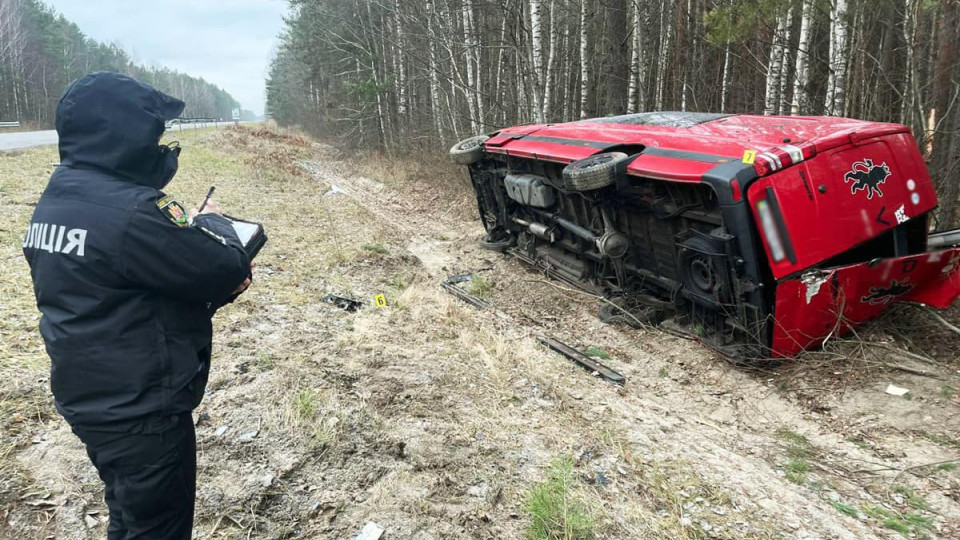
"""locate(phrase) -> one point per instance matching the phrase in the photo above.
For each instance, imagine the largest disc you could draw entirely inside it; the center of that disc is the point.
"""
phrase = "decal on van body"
(885, 295)
(867, 176)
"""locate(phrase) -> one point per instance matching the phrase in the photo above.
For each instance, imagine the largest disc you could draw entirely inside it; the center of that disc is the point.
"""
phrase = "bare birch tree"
(837, 78)
(407, 74)
(775, 65)
(536, 58)
(584, 58)
(802, 66)
(664, 53)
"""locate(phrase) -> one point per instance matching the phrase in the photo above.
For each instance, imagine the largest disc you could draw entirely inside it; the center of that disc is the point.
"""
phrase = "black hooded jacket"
(125, 285)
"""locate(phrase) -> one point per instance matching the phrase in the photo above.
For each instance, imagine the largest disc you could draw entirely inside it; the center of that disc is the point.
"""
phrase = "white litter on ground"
(894, 390)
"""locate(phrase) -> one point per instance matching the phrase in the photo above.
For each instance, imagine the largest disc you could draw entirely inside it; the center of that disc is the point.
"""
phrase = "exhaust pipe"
(538, 229)
(611, 244)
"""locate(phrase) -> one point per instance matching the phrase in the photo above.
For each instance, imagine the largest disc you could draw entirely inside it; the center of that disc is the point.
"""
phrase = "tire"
(595, 172)
(468, 151)
(500, 245)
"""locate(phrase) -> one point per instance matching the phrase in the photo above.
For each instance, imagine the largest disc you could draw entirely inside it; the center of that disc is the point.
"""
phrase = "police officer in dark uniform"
(127, 285)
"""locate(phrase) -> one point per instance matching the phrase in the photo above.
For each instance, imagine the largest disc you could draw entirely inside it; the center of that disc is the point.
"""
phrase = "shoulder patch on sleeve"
(173, 210)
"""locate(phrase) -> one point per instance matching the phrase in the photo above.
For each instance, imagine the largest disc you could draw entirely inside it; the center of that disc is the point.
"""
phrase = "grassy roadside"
(24, 390)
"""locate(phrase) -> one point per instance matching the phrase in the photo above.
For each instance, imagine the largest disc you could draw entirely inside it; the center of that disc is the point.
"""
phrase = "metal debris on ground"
(370, 531)
(451, 285)
(582, 359)
(342, 302)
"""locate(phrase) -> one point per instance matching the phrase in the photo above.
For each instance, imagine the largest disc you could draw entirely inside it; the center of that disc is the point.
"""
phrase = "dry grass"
(671, 500)
(429, 179)
(24, 395)
(316, 412)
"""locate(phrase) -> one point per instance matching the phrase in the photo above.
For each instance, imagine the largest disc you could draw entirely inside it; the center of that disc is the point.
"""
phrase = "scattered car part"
(763, 234)
(451, 286)
(582, 359)
(342, 302)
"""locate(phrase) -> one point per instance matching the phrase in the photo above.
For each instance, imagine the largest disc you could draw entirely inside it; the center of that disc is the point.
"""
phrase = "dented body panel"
(821, 303)
(776, 230)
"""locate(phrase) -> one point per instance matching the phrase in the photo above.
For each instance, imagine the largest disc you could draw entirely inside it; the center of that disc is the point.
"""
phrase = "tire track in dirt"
(730, 414)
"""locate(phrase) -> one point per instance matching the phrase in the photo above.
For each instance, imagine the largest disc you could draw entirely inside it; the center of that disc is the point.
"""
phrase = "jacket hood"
(113, 123)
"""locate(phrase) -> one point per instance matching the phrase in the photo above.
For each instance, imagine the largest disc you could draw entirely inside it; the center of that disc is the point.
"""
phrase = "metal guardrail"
(9, 124)
(198, 120)
(202, 122)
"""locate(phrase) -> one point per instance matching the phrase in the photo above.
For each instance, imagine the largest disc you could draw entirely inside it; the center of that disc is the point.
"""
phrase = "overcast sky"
(227, 42)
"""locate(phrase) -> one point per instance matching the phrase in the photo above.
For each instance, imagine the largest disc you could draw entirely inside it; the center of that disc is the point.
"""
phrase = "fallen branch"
(217, 525)
(924, 466)
(912, 371)
(913, 355)
(946, 324)
(906, 469)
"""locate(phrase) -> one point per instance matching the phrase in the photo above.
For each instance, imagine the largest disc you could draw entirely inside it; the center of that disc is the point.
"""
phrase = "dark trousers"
(150, 479)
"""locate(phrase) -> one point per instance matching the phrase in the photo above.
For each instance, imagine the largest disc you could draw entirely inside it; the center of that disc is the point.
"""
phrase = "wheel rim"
(701, 274)
(593, 162)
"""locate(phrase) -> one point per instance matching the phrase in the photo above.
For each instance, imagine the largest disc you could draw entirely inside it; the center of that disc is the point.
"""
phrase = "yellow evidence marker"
(749, 157)
(381, 300)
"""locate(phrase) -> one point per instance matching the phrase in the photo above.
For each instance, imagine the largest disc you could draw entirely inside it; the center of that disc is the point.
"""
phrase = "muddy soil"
(435, 419)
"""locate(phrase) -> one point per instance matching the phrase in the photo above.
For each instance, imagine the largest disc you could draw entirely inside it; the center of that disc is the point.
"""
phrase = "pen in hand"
(206, 200)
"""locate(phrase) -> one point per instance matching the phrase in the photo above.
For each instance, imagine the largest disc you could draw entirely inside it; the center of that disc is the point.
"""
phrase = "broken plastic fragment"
(813, 283)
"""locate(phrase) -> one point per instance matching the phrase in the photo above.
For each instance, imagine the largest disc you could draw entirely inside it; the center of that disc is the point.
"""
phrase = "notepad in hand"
(251, 235)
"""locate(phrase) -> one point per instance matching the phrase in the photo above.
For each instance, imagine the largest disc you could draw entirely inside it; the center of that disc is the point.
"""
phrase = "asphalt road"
(27, 139)
(30, 139)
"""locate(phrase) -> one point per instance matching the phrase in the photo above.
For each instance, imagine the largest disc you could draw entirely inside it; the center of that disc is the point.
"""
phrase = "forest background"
(41, 53)
(415, 75)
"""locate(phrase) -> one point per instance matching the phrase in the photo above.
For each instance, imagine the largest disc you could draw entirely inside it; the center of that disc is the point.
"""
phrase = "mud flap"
(809, 308)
